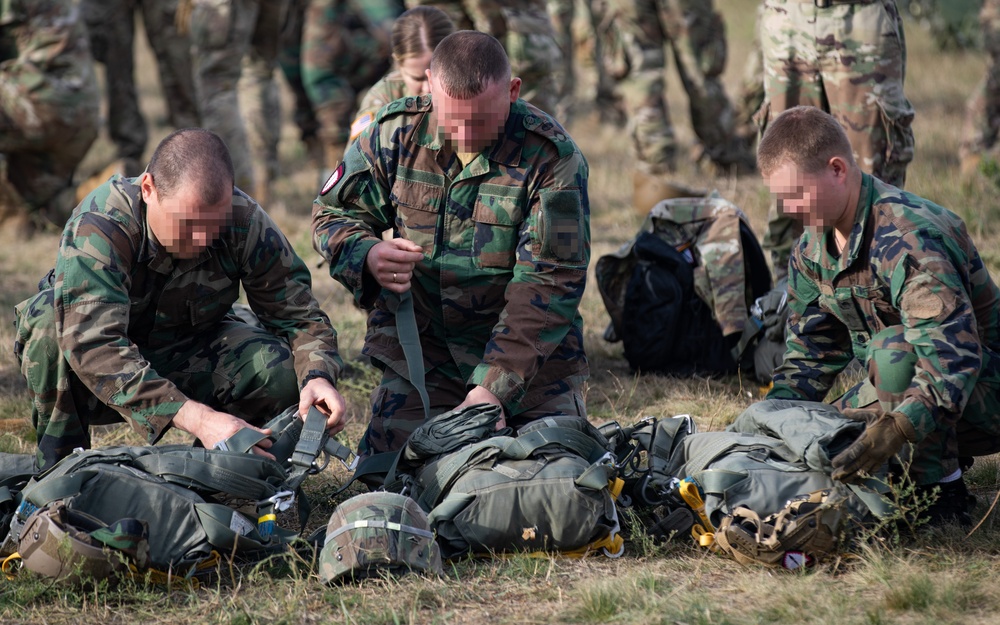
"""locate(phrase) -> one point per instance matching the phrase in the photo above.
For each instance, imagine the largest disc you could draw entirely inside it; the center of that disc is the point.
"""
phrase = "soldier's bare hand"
(482, 395)
(391, 263)
(321, 393)
(212, 426)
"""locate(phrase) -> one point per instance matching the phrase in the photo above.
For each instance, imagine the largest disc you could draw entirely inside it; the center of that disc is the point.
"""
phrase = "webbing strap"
(189, 472)
(379, 524)
(409, 340)
(526, 444)
(450, 467)
(751, 330)
(871, 492)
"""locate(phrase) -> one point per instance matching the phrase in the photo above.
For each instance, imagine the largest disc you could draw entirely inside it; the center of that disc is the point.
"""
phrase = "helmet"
(375, 532)
(67, 545)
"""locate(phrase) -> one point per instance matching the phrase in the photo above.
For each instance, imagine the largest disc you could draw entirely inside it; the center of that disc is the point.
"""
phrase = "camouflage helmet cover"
(377, 532)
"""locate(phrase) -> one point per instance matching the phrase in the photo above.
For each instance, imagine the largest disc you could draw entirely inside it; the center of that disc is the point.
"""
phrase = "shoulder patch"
(360, 124)
(334, 178)
(541, 124)
(409, 104)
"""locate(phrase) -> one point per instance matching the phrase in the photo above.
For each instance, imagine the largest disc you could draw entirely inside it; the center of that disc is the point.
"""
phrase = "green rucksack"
(169, 508)
(546, 489)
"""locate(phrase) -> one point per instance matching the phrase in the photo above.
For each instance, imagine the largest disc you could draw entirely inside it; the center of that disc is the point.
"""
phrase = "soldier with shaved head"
(136, 322)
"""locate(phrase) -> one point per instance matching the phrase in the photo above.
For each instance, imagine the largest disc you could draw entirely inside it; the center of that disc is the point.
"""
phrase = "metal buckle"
(822, 4)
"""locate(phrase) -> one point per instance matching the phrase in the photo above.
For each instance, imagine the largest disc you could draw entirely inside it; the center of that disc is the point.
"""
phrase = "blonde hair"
(804, 136)
(418, 31)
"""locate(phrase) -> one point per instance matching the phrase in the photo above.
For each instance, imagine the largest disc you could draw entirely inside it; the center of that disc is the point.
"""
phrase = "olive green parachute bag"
(547, 488)
(169, 508)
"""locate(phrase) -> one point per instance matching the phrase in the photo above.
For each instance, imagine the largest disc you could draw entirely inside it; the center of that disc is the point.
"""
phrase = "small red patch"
(332, 181)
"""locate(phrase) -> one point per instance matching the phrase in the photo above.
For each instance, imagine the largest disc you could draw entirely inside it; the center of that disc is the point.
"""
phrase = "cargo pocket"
(897, 122)
(214, 307)
(496, 232)
(418, 207)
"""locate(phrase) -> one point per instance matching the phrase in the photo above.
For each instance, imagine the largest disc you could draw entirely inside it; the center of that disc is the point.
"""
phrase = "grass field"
(943, 577)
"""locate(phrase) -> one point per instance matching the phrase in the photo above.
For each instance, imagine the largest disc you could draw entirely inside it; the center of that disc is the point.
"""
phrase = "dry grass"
(944, 578)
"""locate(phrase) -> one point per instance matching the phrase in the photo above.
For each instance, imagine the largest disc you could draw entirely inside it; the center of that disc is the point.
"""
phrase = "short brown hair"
(467, 62)
(419, 30)
(804, 136)
(192, 155)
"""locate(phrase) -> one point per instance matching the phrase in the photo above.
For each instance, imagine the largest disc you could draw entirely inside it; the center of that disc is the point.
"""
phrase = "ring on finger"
(394, 277)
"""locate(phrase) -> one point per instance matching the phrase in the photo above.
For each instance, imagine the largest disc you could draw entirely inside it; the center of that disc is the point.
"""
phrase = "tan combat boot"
(650, 189)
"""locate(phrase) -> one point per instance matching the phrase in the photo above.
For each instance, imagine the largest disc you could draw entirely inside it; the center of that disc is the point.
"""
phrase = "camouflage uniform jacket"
(506, 244)
(907, 262)
(117, 291)
(390, 87)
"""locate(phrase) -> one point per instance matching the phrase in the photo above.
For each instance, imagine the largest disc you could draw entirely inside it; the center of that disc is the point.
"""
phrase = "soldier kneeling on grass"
(895, 281)
(136, 321)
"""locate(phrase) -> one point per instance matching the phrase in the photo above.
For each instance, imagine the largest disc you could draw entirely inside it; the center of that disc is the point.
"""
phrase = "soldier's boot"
(84, 188)
(650, 189)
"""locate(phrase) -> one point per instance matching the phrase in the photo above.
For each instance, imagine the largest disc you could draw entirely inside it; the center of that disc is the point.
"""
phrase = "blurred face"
(182, 222)
(818, 199)
(414, 72)
(477, 123)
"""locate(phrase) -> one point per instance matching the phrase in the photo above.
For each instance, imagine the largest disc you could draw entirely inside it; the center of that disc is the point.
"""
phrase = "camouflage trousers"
(397, 409)
(525, 30)
(42, 143)
(341, 56)
(982, 116)
(238, 368)
(695, 34)
(849, 60)
(976, 433)
(111, 29)
(236, 46)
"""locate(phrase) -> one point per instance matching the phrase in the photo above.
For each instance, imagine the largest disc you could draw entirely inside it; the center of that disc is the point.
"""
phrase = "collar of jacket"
(506, 151)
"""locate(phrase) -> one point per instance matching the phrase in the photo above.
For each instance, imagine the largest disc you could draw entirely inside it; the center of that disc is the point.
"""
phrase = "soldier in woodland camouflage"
(895, 281)
(525, 30)
(848, 58)
(487, 198)
(48, 106)
(982, 117)
(111, 26)
(137, 322)
(345, 50)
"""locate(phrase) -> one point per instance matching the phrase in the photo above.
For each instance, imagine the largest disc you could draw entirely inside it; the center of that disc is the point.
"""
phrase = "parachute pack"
(758, 491)
(170, 509)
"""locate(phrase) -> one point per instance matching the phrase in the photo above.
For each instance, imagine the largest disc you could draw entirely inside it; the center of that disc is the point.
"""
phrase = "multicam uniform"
(525, 30)
(695, 33)
(910, 285)
(506, 243)
(49, 102)
(223, 33)
(848, 58)
(126, 331)
(112, 33)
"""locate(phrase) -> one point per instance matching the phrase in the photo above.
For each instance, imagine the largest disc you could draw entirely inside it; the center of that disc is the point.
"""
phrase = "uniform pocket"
(418, 207)
(212, 308)
(497, 226)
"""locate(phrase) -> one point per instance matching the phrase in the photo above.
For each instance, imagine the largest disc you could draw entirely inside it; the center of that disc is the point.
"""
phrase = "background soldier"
(982, 118)
(136, 322)
(111, 27)
(237, 41)
(48, 107)
(696, 36)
